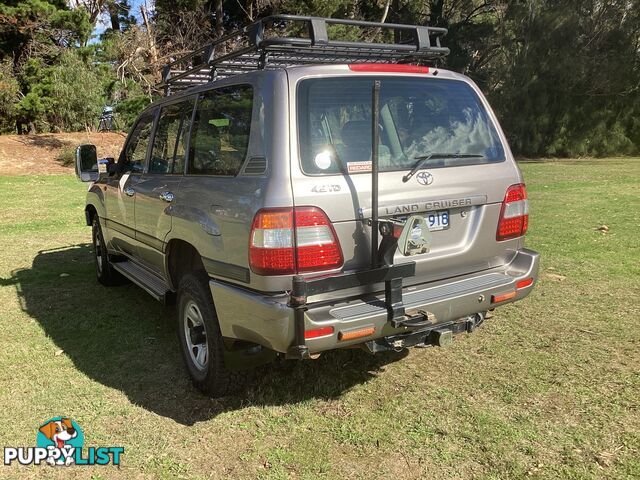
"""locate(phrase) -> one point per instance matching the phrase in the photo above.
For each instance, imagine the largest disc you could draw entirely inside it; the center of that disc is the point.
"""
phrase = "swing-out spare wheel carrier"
(330, 193)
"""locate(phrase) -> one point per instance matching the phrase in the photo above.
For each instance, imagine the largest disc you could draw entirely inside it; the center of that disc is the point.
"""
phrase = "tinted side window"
(168, 153)
(220, 133)
(136, 149)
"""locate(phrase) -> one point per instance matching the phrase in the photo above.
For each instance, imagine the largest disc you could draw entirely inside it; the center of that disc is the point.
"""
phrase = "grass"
(548, 388)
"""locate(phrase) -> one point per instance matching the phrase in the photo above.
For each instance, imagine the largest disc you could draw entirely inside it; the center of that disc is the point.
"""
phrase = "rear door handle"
(167, 197)
(129, 192)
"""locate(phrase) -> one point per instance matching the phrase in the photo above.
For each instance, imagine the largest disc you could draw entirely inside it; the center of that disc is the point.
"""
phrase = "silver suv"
(294, 194)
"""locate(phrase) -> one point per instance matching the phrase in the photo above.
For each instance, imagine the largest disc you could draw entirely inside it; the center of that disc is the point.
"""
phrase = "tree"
(38, 27)
(77, 94)
(118, 11)
(9, 96)
(568, 79)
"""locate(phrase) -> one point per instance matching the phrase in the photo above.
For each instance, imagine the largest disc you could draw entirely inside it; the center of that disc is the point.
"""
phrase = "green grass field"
(548, 388)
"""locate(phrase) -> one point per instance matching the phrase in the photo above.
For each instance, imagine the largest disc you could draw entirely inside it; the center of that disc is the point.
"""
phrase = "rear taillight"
(514, 215)
(272, 242)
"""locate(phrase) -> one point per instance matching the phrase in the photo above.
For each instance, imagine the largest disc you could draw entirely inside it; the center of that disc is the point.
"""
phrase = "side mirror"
(87, 163)
(415, 237)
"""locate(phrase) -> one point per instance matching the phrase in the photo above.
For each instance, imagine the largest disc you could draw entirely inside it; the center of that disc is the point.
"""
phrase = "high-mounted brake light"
(514, 215)
(387, 67)
(275, 250)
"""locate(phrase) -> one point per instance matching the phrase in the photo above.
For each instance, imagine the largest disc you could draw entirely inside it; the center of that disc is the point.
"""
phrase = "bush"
(67, 156)
(77, 94)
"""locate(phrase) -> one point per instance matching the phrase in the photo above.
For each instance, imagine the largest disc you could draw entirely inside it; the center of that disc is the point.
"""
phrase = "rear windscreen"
(418, 117)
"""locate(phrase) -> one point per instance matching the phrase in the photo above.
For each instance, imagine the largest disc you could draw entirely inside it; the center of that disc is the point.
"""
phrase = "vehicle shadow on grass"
(123, 339)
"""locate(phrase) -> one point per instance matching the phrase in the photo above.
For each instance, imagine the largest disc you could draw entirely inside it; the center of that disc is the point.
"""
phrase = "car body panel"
(154, 217)
(120, 213)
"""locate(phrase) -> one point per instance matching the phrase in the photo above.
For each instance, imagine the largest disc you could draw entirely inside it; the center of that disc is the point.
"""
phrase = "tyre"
(104, 271)
(200, 338)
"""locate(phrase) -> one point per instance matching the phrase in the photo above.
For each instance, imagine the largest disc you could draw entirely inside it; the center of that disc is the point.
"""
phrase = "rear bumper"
(268, 320)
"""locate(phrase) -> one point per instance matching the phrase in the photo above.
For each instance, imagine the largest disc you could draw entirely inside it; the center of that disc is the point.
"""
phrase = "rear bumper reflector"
(503, 297)
(318, 332)
(353, 334)
(527, 282)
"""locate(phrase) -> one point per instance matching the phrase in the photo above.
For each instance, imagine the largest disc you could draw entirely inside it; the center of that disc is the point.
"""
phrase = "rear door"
(419, 116)
(158, 187)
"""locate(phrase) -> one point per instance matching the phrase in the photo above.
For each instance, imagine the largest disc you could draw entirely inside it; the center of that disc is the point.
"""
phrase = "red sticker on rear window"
(354, 167)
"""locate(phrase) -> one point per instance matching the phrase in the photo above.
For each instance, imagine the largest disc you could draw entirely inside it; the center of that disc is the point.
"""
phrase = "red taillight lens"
(272, 240)
(317, 246)
(514, 215)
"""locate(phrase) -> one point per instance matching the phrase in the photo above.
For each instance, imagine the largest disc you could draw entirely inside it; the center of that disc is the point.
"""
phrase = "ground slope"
(38, 154)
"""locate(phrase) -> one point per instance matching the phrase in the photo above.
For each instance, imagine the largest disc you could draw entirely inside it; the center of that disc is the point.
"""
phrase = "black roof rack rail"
(261, 45)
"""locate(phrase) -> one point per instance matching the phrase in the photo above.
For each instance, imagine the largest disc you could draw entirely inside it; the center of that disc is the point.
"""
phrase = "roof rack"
(262, 45)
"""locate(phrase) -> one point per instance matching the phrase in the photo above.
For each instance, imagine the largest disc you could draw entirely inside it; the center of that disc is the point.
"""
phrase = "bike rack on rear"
(381, 270)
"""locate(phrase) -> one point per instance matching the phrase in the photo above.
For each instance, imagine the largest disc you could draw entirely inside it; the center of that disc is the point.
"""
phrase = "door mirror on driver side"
(87, 163)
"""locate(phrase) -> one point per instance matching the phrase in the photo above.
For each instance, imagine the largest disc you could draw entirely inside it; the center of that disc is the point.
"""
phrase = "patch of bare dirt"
(38, 154)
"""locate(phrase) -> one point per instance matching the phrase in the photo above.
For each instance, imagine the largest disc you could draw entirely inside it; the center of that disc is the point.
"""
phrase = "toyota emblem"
(424, 178)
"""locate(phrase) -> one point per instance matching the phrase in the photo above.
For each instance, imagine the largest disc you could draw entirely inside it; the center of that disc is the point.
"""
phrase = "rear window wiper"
(434, 156)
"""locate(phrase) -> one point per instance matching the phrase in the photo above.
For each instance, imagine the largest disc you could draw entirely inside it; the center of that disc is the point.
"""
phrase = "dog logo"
(63, 434)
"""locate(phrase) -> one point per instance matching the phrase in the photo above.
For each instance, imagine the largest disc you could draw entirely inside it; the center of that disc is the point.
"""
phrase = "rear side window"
(221, 129)
(418, 117)
(168, 153)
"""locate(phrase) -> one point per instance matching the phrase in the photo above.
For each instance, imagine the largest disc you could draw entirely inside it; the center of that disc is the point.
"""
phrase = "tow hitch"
(439, 335)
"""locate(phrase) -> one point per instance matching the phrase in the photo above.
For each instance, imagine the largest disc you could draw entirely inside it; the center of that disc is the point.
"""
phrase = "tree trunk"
(153, 50)
(436, 9)
(219, 22)
(114, 15)
(219, 18)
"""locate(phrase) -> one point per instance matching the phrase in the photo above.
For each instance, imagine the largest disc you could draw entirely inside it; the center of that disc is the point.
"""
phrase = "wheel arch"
(90, 212)
(181, 258)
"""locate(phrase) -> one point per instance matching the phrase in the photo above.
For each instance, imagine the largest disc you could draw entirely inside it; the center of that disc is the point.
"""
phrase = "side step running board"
(146, 280)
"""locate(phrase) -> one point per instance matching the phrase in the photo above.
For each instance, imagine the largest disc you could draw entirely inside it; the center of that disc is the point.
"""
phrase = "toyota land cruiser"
(295, 194)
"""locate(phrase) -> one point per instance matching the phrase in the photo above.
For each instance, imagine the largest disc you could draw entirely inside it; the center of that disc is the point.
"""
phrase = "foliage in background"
(568, 77)
(40, 27)
(9, 95)
(77, 93)
(562, 75)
